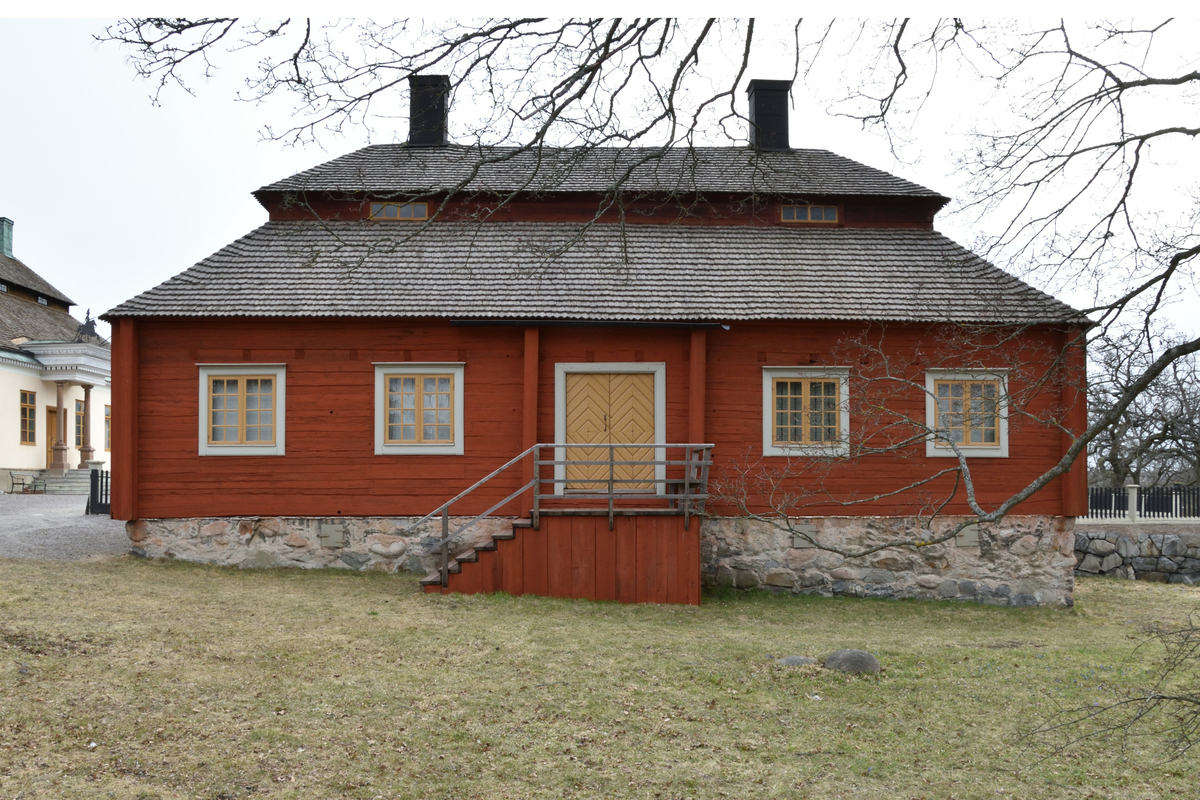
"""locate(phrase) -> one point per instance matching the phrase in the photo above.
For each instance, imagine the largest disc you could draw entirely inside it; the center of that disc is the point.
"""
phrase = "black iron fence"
(98, 495)
(1154, 502)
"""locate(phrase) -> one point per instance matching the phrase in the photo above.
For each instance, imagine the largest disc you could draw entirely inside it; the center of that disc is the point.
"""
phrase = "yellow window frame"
(801, 418)
(944, 404)
(28, 417)
(416, 212)
(240, 424)
(443, 411)
(802, 214)
(78, 424)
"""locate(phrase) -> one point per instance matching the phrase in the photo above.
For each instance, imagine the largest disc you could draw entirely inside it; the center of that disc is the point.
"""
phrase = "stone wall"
(1169, 555)
(365, 543)
(1023, 561)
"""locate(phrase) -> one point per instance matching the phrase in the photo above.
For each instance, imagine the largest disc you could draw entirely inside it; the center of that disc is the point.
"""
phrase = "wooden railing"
(1149, 504)
(679, 483)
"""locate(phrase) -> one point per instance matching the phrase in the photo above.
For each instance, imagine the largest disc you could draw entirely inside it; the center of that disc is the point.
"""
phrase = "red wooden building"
(413, 317)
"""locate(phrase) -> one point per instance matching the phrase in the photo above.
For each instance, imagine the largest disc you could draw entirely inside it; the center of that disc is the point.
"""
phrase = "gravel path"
(54, 528)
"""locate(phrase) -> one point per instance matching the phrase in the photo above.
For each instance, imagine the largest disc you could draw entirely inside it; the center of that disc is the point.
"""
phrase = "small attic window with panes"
(400, 211)
(801, 214)
(43, 302)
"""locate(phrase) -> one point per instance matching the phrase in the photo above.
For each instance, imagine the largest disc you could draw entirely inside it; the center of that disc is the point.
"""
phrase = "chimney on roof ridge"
(6, 236)
(769, 114)
(428, 102)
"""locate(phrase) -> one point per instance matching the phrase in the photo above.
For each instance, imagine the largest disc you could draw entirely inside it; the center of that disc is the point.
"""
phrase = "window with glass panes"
(399, 210)
(108, 427)
(968, 412)
(28, 417)
(806, 411)
(79, 423)
(420, 409)
(241, 409)
(808, 213)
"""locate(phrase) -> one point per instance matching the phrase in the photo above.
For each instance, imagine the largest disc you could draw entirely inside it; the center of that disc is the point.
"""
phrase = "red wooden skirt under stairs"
(644, 559)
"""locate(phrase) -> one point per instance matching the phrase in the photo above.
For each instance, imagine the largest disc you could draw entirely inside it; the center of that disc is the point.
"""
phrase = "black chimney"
(769, 114)
(428, 99)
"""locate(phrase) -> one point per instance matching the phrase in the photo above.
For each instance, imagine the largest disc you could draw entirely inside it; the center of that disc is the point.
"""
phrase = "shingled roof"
(398, 168)
(23, 319)
(12, 270)
(529, 270)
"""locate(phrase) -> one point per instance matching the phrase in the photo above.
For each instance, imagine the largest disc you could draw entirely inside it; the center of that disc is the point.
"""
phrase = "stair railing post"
(611, 474)
(689, 454)
(446, 546)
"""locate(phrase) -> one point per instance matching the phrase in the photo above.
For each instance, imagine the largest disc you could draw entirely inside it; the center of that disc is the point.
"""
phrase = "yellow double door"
(610, 408)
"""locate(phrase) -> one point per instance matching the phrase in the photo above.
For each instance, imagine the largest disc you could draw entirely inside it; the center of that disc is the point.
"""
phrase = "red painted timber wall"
(855, 211)
(641, 560)
(330, 467)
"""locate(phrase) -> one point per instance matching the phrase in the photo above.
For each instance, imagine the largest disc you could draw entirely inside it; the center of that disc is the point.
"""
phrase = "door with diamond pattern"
(604, 408)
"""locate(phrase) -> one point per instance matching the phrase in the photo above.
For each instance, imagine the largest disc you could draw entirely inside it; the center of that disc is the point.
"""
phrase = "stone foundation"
(364, 543)
(1023, 561)
(1168, 557)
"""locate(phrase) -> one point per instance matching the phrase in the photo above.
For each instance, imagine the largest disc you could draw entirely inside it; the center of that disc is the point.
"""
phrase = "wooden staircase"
(604, 552)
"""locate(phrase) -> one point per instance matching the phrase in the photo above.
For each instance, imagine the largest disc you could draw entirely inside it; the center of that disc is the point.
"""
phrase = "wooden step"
(432, 579)
(470, 555)
(488, 545)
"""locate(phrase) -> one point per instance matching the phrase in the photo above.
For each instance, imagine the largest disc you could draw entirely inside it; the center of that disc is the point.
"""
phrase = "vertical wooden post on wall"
(697, 378)
(124, 418)
(529, 435)
(1074, 402)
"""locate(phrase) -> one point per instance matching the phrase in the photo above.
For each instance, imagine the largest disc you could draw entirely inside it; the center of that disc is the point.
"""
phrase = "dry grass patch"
(130, 679)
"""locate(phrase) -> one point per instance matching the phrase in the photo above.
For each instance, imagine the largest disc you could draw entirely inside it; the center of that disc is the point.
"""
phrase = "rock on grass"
(852, 661)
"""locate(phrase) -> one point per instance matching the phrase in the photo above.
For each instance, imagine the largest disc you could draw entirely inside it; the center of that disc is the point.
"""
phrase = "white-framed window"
(419, 408)
(242, 409)
(806, 411)
(968, 408)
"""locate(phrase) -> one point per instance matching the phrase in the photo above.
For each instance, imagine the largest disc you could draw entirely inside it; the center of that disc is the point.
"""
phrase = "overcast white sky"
(112, 195)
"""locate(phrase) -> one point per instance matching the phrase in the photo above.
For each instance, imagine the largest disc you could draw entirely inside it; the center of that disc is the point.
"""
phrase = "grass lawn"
(129, 679)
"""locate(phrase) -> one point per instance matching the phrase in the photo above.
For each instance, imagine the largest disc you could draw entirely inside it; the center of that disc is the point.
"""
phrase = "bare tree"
(1166, 709)
(1155, 440)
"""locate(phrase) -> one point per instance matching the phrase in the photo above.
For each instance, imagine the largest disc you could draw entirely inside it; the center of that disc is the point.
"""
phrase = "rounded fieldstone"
(948, 589)
(1110, 562)
(852, 661)
(1090, 563)
(795, 661)
(1102, 547)
(1167, 565)
(879, 576)
(1173, 547)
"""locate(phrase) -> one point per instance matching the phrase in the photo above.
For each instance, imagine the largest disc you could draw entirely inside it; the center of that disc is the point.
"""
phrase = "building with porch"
(55, 406)
(552, 366)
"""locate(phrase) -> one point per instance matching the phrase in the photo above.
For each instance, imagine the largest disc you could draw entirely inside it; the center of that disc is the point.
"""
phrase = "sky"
(111, 194)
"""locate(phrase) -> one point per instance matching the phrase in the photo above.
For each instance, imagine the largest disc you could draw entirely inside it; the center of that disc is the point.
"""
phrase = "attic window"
(4, 288)
(42, 301)
(399, 211)
(810, 214)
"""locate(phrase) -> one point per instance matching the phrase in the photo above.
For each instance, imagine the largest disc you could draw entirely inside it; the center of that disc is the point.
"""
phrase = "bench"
(28, 484)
